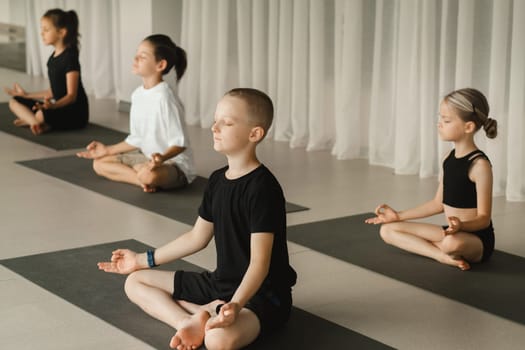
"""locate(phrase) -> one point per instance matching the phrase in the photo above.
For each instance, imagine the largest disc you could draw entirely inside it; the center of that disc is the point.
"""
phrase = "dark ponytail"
(66, 20)
(166, 49)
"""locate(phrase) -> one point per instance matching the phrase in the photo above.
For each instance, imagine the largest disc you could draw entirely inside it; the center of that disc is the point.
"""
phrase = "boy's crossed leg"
(153, 290)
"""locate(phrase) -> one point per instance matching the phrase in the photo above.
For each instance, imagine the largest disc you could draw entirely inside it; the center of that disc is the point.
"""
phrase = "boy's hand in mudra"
(123, 261)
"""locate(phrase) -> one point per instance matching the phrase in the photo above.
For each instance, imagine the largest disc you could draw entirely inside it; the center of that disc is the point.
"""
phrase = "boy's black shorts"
(271, 308)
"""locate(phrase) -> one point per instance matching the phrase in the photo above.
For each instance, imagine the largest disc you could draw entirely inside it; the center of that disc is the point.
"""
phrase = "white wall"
(4, 11)
(135, 24)
(17, 12)
(138, 19)
(12, 12)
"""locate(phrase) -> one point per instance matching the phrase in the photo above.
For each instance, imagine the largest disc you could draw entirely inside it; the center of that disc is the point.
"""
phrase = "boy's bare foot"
(190, 334)
(19, 122)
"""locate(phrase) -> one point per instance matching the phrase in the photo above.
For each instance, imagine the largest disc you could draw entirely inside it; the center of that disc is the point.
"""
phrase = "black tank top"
(458, 190)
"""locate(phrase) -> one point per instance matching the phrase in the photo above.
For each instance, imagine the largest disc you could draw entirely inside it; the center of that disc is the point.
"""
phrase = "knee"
(451, 245)
(217, 340)
(132, 284)
(386, 233)
(98, 167)
(12, 104)
(147, 177)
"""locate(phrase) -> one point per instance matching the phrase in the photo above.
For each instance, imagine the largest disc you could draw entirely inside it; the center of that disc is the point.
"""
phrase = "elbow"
(71, 98)
(485, 220)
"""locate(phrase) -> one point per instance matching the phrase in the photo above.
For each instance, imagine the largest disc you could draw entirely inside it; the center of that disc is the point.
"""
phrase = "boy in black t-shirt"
(243, 208)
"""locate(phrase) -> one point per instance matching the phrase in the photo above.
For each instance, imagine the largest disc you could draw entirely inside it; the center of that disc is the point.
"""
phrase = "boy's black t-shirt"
(57, 68)
(237, 208)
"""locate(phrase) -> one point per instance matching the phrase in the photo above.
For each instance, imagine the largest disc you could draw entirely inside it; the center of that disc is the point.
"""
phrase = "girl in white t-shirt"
(156, 154)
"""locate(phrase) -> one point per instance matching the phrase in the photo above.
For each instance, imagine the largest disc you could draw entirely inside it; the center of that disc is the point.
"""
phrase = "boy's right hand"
(94, 150)
(123, 261)
(385, 214)
(15, 91)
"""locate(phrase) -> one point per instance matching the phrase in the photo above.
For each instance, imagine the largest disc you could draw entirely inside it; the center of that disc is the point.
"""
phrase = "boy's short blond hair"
(259, 105)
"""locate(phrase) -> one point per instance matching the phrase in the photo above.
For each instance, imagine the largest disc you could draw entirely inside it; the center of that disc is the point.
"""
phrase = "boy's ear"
(256, 134)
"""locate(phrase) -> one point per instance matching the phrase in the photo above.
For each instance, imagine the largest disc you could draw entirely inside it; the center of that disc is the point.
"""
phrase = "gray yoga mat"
(73, 275)
(497, 286)
(60, 140)
(181, 204)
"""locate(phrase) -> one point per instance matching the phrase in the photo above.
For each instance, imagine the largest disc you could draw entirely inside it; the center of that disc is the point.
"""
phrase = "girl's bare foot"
(190, 334)
(19, 122)
(149, 189)
(458, 262)
(463, 265)
(39, 129)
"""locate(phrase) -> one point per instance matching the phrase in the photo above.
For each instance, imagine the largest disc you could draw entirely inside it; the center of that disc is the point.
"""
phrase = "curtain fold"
(359, 78)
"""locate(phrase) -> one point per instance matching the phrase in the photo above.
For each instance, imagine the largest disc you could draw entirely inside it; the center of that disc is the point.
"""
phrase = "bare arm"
(385, 214)
(72, 80)
(158, 159)
(121, 147)
(260, 255)
(17, 90)
(39, 95)
(125, 261)
(97, 150)
(190, 242)
(481, 175)
(432, 207)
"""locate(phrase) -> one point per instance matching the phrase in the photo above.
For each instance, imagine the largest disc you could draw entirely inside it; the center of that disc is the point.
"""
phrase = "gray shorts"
(176, 176)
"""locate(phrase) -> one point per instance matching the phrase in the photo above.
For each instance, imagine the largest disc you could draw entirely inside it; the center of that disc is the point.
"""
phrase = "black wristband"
(151, 258)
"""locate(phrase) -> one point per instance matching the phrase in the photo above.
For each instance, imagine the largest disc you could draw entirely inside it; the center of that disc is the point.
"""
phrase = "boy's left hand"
(226, 316)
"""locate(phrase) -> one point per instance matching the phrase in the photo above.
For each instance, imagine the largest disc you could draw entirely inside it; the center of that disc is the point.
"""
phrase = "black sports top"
(458, 190)
(57, 68)
(252, 203)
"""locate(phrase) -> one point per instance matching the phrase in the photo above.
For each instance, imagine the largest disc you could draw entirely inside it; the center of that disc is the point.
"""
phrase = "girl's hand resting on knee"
(94, 150)
(454, 225)
(156, 161)
(123, 261)
(15, 91)
(226, 317)
(385, 214)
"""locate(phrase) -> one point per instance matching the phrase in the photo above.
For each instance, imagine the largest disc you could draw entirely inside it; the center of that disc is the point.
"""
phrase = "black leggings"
(74, 116)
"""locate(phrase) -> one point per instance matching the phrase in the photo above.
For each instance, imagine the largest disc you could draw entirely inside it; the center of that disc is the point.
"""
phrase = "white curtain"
(98, 27)
(364, 78)
(360, 78)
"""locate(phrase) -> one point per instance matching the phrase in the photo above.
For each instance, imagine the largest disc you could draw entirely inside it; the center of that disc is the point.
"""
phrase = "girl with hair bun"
(156, 154)
(65, 105)
(464, 193)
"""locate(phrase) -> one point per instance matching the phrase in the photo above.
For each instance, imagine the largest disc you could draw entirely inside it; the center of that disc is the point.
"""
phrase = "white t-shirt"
(156, 123)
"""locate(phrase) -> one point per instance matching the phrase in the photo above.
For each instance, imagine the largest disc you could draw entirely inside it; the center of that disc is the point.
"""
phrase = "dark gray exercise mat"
(73, 275)
(60, 140)
(181, 205)
(497, 286)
